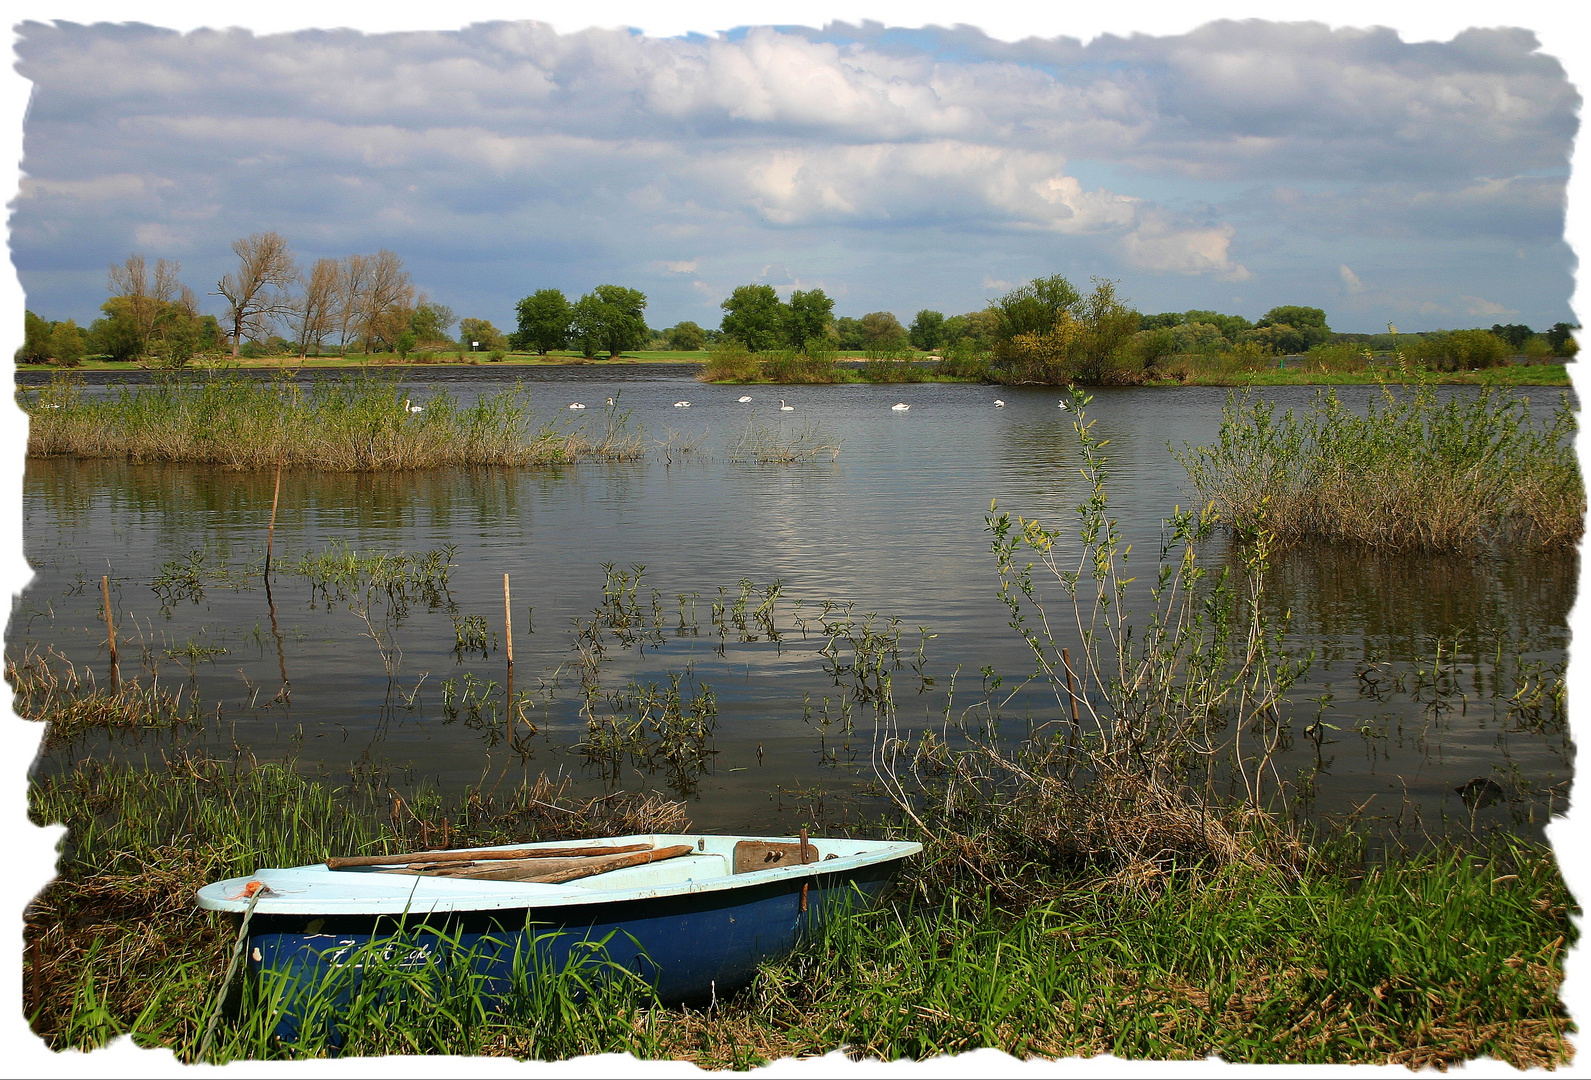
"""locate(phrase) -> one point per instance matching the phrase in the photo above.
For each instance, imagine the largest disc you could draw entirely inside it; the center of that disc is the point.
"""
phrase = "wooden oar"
(582, 867)
(339, 862)
(483, 867)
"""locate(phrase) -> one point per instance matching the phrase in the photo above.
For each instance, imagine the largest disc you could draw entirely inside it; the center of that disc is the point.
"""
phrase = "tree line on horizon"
(363, 302)
(369, 303)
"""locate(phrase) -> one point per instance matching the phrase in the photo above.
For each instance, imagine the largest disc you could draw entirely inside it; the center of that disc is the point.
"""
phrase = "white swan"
(412, 408)
(682, 404)
(610, 401)
(1062, 404)
(899, 406)
(745, 398)
(577, 405)
(785, 408)
(998, 404)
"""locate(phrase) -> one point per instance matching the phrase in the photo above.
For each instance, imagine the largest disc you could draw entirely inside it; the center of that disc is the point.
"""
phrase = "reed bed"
(777, 445)
(70, 701)
(1412, 472)
(347, 425)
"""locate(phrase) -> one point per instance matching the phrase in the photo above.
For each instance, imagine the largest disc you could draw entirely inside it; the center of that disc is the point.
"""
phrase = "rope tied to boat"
(255, 891)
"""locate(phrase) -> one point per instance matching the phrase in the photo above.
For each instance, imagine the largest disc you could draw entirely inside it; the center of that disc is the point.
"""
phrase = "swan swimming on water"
(899, 406)
(577, 405)
(785, 408)
(412, 408)
(745, 398)
(1061, 404)
(998, 404)
(682, 404)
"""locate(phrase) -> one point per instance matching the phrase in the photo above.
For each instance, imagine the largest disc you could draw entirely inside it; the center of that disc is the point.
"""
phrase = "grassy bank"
(1421, 959)
(343, 425)
(1314, 375)
(1411, 472)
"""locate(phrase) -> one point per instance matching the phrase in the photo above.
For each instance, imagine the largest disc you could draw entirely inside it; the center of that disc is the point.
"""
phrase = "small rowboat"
(693, 915)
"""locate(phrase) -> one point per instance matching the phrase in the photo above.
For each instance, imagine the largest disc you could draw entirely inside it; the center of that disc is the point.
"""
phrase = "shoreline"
(1511, 375)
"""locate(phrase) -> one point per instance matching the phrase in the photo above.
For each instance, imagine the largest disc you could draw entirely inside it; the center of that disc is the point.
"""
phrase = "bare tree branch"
(260, 288)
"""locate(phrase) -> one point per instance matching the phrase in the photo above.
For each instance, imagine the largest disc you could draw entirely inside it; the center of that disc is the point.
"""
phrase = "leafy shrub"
(789, 366)
(730, 361)
(1460, 350)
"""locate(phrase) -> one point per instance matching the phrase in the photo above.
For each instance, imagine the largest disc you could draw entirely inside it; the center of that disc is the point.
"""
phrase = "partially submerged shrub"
(789, 366)
(729, 361)
(1163, 752)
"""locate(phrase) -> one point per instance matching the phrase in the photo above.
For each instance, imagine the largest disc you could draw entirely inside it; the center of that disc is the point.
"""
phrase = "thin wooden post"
(508, 641)
(270, 531)
(1066, 662)
(508, 621)
(804, 884)
(110, 628)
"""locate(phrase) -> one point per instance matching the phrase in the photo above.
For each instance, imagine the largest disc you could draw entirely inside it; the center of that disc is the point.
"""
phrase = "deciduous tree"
(686, 336)
(881, 330)
(927, 330)
(472, 331)
(807, 317)
(544, 318)
(146, 300)
(754, 316)
(611, 317)
(318, 305)
(260, 288)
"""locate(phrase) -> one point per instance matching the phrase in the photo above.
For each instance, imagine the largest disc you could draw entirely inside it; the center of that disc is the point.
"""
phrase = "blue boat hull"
(689, 947)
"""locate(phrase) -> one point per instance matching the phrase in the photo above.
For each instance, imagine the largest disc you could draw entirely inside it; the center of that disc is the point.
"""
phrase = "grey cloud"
(842, 146)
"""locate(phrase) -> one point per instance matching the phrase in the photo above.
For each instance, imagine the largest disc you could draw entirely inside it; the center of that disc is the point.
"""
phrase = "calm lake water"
(894, 527)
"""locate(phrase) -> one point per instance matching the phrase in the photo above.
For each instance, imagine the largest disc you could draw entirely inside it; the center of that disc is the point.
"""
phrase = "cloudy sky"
(1235, 166)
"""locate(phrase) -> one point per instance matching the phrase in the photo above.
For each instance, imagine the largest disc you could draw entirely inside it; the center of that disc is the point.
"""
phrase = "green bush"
(789, 366)
(730, 361)
(1459, 350)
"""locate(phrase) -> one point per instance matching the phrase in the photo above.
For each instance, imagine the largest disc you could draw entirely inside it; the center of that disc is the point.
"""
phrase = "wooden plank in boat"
(581, 868)
(339, 862)
(753, 855)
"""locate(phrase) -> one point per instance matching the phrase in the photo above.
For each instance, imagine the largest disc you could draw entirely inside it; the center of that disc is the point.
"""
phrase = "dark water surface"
(895, 525)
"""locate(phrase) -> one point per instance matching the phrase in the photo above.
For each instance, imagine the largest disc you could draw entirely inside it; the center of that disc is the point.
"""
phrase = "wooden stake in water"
(1066, 662)
(508, 621)
(270, 530)
(110, 628)
(508, 642)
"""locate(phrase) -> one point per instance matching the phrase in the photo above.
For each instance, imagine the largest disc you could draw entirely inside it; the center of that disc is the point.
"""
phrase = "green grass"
(343, 425)
(1411, 472)
(1425, 958)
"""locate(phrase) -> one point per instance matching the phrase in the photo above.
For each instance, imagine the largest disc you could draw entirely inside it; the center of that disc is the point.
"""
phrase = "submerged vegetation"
(1412, 472)
(343, 425)
(767, 445)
